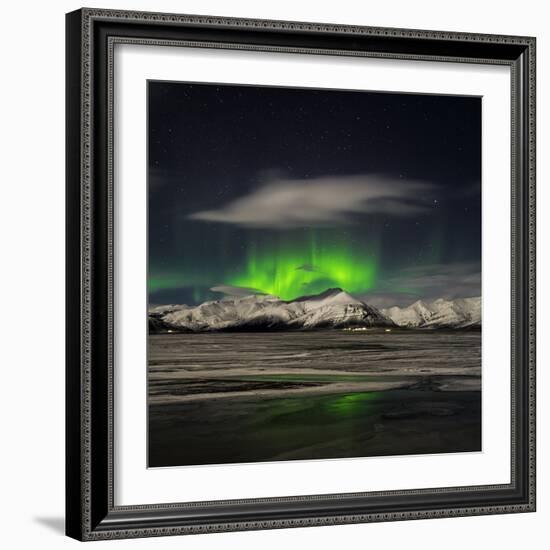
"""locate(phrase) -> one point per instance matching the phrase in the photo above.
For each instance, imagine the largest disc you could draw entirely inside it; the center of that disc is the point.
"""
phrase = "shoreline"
(469, 383)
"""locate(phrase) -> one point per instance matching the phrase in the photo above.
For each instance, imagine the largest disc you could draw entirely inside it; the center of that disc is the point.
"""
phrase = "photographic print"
(314, 273)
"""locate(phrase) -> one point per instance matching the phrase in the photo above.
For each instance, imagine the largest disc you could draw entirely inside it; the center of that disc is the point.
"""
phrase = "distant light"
(387, 330)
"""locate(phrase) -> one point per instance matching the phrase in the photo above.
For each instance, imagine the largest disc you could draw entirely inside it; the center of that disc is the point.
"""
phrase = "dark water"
(225, 398)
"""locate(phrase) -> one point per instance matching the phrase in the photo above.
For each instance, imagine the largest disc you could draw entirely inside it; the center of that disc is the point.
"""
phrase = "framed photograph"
(300, 274)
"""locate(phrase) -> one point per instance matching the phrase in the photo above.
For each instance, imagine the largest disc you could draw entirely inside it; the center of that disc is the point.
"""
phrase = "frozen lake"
(246, 397)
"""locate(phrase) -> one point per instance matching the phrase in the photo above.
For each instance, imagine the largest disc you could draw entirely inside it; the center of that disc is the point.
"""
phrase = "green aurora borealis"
(293, 264)
(291, 271)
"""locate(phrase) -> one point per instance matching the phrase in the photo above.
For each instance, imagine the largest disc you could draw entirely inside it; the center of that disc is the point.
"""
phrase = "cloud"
(235, 291)
(459, 280)
(310, 268)
(322, 201)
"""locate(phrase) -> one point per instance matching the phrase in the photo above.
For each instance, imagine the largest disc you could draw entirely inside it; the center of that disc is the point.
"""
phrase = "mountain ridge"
(440, 313)
(333, 308)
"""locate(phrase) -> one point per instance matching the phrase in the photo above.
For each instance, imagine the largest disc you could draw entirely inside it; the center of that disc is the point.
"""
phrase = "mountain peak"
(333, 290)
(328, 293)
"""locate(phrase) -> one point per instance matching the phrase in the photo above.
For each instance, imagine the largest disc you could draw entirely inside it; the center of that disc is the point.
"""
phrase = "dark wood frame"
(91, 36)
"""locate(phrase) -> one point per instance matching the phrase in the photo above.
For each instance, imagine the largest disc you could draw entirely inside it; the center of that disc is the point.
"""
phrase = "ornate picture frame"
(91, 511)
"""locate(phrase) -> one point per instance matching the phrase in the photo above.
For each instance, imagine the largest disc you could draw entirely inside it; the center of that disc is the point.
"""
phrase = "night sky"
(292, 191)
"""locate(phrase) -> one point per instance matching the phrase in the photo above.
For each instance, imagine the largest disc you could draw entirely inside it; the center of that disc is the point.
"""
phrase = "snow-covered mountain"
(332, 308)
(458, 313)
